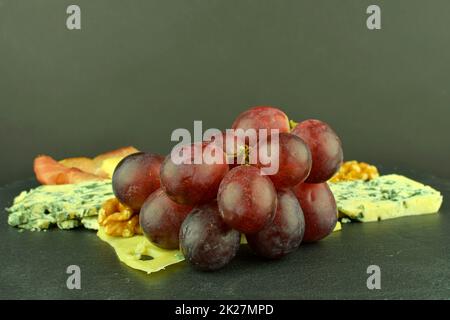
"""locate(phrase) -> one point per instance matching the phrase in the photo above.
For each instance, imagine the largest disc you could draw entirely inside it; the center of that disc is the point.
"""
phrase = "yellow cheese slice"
(337, 227)
(109, 165)
(131, 251)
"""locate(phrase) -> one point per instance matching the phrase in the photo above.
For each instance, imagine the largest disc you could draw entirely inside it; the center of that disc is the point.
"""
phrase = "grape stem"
(292, 124)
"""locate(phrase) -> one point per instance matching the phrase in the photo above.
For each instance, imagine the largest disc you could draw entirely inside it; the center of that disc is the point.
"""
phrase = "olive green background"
(139, 69)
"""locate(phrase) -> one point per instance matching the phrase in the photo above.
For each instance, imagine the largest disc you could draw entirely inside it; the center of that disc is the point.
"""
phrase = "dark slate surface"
(413, 254)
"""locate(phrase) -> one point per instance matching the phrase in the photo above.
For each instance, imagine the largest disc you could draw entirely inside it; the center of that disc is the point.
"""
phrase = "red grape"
(294, 160)
(319, 208)
(325, 146)
(247, 200)
(206, 241)
(190, 183)
(262, 117)
(161, 219)
(285, 233)
(136, 177)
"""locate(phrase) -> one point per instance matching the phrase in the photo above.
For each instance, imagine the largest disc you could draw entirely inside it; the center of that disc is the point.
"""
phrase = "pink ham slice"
(75, 170)
(50, 171)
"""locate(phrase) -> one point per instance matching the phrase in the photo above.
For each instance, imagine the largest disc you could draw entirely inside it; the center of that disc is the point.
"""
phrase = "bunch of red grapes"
(204, 208)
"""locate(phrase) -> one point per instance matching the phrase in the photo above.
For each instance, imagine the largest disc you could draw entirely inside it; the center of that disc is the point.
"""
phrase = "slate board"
(413, 254)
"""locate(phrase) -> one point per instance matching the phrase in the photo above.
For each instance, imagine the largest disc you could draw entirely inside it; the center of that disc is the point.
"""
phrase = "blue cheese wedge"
(386, 197)
(67, 206)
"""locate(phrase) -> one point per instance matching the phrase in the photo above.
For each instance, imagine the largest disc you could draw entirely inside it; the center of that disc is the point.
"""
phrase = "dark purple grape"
(206, 241)
(319, 208)
(136, 177)
(161, 219)
(285, 233)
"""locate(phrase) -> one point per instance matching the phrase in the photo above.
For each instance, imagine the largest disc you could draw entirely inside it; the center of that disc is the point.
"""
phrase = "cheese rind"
(386, 197)
(68, 206)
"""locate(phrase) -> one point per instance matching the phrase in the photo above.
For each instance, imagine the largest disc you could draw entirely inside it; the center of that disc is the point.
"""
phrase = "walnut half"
(353, 170)
(118, 220)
